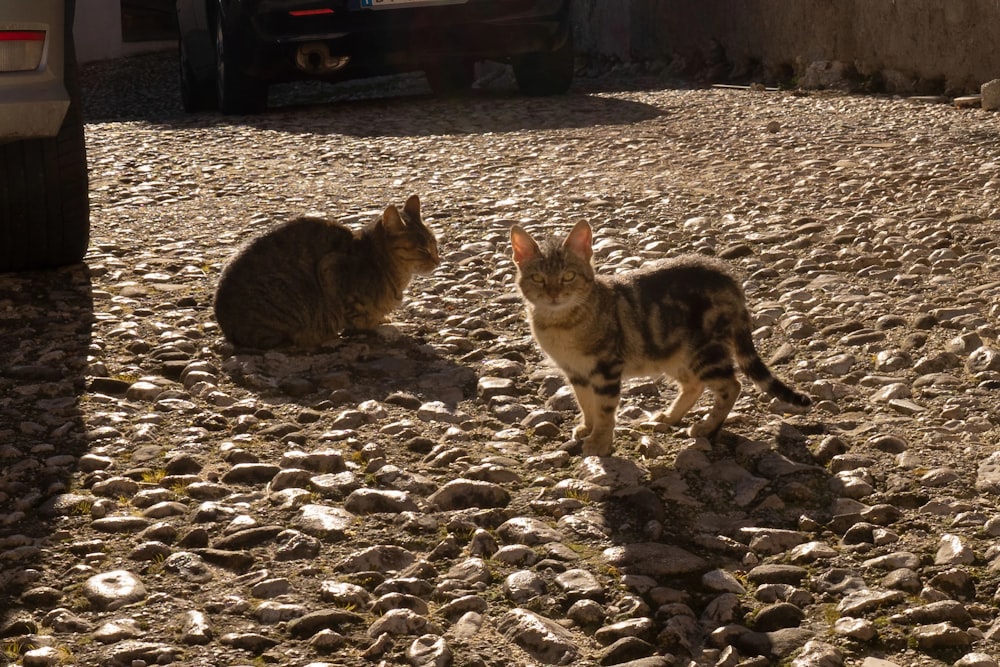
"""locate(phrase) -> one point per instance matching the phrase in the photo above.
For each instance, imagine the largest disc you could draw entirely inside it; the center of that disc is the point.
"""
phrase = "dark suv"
(230, 50)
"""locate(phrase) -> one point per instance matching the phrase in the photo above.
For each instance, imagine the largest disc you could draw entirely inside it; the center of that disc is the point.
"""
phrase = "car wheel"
(195, 95)
(44, 204)
(546, 73)
(449, 77)
(237, 93)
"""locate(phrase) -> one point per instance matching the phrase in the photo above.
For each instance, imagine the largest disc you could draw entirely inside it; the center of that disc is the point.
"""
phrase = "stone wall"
(929, 46)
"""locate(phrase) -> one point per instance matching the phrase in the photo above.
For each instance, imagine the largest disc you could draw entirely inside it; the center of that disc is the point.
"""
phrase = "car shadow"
(479, 112)
(46, 319)
(396, 106)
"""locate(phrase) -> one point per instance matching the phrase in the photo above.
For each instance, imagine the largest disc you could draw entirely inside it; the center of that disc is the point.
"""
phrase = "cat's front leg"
(599, 405)
(595, 443)
(599, 444)
(585, 400)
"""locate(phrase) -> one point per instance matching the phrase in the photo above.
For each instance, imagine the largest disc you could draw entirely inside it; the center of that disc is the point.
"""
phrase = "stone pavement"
(409, 497)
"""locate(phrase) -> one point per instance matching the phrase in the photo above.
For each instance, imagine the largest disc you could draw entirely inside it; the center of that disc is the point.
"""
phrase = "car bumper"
(38, 113)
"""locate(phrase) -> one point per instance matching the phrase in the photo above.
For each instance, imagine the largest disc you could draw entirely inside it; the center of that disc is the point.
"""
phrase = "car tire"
(196, 95)
(548, 72)
(451, 77)
(237, 93)
(44, 201)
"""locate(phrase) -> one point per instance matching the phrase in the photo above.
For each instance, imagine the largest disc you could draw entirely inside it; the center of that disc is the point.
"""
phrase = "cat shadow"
(771, 480)
(388, 366)
(722, 504)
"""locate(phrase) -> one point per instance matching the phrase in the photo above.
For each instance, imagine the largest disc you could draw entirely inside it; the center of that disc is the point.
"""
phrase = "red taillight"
(310, 12)
(21, 50)
(22, 35)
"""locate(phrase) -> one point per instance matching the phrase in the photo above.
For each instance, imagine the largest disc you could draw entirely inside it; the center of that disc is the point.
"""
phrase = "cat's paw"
(581, 431)
(662, 417)
(704, 429)
(597, 446)
(388, 333)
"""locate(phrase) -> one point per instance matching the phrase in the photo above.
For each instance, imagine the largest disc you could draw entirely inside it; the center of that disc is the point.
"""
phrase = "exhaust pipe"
(315, 58)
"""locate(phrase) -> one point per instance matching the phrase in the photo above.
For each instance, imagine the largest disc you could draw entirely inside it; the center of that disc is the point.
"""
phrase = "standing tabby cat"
(685, 317)
(307, 280)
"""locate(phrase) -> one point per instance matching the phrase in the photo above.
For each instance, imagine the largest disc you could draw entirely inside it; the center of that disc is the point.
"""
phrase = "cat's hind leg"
(690, 390)
(726, 391)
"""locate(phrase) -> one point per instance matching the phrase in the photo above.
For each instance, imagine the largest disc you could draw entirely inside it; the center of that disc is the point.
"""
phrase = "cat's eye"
(568, 276)
(537, 278)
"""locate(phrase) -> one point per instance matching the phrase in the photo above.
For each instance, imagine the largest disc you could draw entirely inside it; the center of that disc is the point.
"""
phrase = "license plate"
(396, 4)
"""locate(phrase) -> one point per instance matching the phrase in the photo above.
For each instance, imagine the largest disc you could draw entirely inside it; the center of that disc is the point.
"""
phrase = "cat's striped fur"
(308, 279)
(685, 317)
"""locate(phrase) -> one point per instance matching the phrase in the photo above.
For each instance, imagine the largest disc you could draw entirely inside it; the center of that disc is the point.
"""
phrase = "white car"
(44, 205)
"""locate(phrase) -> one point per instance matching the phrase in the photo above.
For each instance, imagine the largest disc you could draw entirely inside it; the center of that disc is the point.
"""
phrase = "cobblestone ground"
(409, 497)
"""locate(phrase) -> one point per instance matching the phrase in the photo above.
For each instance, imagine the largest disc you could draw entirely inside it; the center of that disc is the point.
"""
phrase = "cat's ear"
(580, 240)
(391, 221)
(412, 207)
(524, 246)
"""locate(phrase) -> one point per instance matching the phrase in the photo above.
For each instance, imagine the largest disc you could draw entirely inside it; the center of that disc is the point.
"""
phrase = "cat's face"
(409, 240)
(554, 276)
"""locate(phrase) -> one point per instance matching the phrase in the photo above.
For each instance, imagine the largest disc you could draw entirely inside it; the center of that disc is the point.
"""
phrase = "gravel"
(409, 497)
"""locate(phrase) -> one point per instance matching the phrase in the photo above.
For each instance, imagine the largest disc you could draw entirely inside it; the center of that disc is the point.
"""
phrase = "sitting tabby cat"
(685, 317)
(307, 280)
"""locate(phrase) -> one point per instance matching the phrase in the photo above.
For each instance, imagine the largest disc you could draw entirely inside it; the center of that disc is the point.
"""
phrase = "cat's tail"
(754, 368)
